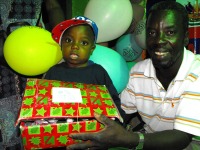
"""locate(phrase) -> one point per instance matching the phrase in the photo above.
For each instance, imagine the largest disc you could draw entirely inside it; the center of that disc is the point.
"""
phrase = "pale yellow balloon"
(30, 50)
(112, 17)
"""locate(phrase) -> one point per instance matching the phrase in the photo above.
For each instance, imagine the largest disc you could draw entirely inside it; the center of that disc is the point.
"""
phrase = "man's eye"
(84, 43)
(170, 32)
(152, 33)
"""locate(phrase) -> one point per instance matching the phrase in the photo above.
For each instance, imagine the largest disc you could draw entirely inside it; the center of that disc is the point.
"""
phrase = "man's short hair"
(172, 5)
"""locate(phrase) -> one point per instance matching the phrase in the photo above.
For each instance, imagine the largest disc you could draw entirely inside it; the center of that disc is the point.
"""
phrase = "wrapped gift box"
(46, 124)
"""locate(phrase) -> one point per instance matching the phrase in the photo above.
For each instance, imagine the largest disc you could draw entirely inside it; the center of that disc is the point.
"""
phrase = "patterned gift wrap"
(37, 105)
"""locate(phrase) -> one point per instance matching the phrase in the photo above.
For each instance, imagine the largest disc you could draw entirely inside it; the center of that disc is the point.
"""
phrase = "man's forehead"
(167, 15)
(172, 13)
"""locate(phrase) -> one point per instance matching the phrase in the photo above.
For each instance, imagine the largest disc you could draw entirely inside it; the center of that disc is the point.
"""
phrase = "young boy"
(77, 38)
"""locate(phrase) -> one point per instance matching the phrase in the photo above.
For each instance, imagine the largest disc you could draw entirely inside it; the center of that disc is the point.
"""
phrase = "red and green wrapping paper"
(37, 105)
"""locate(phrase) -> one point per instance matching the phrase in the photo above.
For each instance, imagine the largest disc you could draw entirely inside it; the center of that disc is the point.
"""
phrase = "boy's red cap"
(59, 29)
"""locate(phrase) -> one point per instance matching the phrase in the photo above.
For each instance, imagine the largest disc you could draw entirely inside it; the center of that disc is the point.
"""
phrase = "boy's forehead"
(82, 27)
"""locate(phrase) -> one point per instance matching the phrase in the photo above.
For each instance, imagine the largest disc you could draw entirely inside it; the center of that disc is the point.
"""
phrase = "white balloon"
(127, 47)
(136, 17)
(140, 33)
(113, 17)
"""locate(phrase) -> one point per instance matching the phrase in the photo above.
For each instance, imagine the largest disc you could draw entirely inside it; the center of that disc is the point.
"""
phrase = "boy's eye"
(84, 43)
(68, 40)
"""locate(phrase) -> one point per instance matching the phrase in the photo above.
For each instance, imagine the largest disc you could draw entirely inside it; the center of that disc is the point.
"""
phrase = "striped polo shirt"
(177, 108)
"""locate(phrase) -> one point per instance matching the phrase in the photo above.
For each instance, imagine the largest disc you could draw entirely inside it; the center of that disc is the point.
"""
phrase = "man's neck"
(166, 75)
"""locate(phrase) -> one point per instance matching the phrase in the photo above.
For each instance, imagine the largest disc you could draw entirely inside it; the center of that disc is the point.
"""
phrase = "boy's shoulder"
(97, 67)
(92, 66)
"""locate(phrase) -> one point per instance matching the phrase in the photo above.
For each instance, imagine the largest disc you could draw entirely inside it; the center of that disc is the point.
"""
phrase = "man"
(164, 90)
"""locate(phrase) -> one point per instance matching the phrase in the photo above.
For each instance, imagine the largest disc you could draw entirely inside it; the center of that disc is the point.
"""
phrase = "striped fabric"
(177, 108)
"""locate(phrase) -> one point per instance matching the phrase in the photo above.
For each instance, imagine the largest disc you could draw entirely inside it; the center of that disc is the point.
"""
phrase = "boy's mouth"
(73, 56)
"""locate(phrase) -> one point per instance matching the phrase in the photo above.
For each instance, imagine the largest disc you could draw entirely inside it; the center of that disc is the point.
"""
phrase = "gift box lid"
(37, 101)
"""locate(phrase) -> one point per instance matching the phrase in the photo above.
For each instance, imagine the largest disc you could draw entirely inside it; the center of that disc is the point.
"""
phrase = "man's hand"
(113, 135)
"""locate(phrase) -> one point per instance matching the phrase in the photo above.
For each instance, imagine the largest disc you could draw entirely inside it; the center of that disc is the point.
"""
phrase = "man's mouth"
(161, 53)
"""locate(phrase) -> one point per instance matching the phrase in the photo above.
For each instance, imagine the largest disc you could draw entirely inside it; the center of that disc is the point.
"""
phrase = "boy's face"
(165, 38)
(77, 45)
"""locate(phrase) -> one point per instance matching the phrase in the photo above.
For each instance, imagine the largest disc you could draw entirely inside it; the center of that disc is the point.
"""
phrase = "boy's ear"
(93, 48)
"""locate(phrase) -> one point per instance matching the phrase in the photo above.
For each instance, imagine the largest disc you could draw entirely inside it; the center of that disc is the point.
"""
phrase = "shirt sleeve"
(127, 96)
(187, 117)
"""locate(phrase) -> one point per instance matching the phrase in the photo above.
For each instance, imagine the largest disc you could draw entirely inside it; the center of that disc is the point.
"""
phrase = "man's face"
(165, 38)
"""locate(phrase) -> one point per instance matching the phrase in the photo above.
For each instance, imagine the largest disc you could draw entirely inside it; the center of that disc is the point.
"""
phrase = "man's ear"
(186, 40)
(92, 49)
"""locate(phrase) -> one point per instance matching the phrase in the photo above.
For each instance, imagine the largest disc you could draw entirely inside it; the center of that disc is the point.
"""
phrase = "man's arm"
(169, 139)
(55, 12)
(114, 135)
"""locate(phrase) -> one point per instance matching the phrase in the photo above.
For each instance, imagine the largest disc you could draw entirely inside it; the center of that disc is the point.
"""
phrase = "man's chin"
(162, 64)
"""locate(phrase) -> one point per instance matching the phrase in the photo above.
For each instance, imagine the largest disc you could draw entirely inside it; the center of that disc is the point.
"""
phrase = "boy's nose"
(75, 46)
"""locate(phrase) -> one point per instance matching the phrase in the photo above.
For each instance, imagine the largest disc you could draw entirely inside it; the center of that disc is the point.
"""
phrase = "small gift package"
(51, 110)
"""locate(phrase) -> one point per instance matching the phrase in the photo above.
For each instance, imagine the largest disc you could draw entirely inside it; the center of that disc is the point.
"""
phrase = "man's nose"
(161, 38)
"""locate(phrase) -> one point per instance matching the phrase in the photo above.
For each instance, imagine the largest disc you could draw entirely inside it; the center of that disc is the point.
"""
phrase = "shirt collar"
(188, 58)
